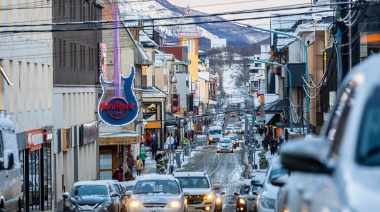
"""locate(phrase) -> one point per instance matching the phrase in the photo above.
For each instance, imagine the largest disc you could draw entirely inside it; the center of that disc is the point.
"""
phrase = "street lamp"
(290, 85)
(306, 66)
(142, 125)
(171, 140)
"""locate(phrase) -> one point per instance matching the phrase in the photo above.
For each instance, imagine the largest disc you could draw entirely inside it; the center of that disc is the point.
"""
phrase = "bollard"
(178, 158)
(171, 170)
(187, 149)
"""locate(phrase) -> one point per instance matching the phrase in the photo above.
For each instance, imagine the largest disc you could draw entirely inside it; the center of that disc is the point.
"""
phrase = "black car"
(92, 196)
(246, 197)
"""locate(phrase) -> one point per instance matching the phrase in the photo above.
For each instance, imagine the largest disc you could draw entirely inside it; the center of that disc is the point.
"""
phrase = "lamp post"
(171, 140)
(290, 85)
(306, 66)
(142, 125)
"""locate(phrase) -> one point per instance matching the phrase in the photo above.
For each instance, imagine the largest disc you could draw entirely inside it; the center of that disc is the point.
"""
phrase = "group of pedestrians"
(138, 163)
(271, 144)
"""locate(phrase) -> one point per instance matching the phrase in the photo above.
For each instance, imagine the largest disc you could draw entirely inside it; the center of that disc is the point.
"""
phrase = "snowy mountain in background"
(236, 36)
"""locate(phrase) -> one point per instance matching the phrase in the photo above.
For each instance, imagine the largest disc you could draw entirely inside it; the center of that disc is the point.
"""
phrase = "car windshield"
(368, 151)
(229, 128)
(89, 190)
(193, 182)
(156, 186)
(225, 140)
(214, 132)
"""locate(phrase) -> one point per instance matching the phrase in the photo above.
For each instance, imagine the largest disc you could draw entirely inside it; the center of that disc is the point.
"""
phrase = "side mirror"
(8, 159)
(280, 180)
(114, 194)
(65, 195)
(236, 193)
(215, 187)
(300, 155)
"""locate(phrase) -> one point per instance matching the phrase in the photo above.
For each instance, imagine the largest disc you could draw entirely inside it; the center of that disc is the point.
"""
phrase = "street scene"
(188, 106)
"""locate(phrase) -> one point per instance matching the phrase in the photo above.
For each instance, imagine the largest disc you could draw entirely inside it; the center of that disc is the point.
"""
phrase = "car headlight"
(210, 138)
(134, 204)
(266, 202)
(241, 201)
(218, 146)
(219, 200)
(174, 204)
(208, 197)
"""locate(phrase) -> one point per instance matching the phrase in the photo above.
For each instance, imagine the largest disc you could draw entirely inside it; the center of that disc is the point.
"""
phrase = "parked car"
(201, 195)
(267, 196)
(92, 196)
(155, 192)
(345, 170)
(225, 145)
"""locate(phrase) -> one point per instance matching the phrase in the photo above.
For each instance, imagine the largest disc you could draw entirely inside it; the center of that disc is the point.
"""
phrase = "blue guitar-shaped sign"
(120, 108)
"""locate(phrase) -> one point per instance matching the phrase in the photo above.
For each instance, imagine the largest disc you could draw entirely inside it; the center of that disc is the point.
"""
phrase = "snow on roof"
(156, 177)
(90, 182)
(188, 174)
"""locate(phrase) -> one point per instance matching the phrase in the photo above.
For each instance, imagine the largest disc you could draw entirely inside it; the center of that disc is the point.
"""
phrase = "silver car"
(225, 145)
(154, 192)
(340, 170)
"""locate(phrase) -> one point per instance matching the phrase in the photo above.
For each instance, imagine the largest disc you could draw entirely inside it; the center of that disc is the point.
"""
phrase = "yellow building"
(189, 36)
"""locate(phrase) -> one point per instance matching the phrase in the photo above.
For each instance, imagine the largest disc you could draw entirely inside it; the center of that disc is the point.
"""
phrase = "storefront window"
(151, 112)
(105, 166)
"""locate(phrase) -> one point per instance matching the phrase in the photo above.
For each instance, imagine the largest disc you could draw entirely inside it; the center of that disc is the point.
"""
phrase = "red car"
(232, 114)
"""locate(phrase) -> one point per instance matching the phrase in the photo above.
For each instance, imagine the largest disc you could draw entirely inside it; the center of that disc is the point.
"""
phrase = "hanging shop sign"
(122, 108)
(89, 133)
(34, 139)
(117, 141)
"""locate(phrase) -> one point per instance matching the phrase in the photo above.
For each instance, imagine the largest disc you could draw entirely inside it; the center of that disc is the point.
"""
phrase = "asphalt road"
(226, 169)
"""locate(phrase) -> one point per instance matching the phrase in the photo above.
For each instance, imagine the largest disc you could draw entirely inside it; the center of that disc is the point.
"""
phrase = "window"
(368, 150)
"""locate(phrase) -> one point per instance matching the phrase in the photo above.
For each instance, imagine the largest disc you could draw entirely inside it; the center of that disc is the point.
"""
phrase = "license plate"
(190, 207)
(155, 210)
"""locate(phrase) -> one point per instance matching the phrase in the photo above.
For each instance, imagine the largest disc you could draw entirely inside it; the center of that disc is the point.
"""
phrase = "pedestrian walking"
(130, 161)
(154, 148)
(138, 165)
(143, 156)
(178, 138)
(167, 144)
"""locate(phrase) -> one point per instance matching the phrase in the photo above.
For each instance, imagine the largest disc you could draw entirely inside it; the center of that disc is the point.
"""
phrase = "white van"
(10, 170)
(214, 134)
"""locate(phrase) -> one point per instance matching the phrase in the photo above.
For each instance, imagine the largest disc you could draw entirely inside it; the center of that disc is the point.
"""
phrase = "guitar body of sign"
(122, 108)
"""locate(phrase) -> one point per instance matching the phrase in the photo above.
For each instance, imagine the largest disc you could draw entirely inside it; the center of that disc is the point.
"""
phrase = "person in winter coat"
(130, 161)
(143, 156)
(154, 148)
(138, 165)
(128, 175)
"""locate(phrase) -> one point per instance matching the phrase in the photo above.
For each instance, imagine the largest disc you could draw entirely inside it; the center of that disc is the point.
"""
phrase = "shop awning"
(275, 107)
(272, 119)
(118, 138)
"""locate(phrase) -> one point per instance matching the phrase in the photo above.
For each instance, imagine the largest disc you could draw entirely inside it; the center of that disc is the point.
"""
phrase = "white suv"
(200, 194)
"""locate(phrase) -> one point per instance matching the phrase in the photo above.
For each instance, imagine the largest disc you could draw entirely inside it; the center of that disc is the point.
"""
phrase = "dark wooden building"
(76, 45)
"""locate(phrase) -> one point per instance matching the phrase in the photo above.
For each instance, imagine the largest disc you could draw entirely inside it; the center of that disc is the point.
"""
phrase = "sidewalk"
(267, 153)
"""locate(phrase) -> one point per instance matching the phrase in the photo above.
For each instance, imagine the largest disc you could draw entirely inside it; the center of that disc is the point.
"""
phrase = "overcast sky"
(217, 6)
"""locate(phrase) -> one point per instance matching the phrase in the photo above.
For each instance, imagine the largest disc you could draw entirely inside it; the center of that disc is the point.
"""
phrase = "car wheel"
(217, 151)
(232, 151)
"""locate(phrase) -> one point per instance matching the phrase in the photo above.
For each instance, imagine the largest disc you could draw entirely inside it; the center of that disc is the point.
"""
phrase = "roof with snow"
(204, 75)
